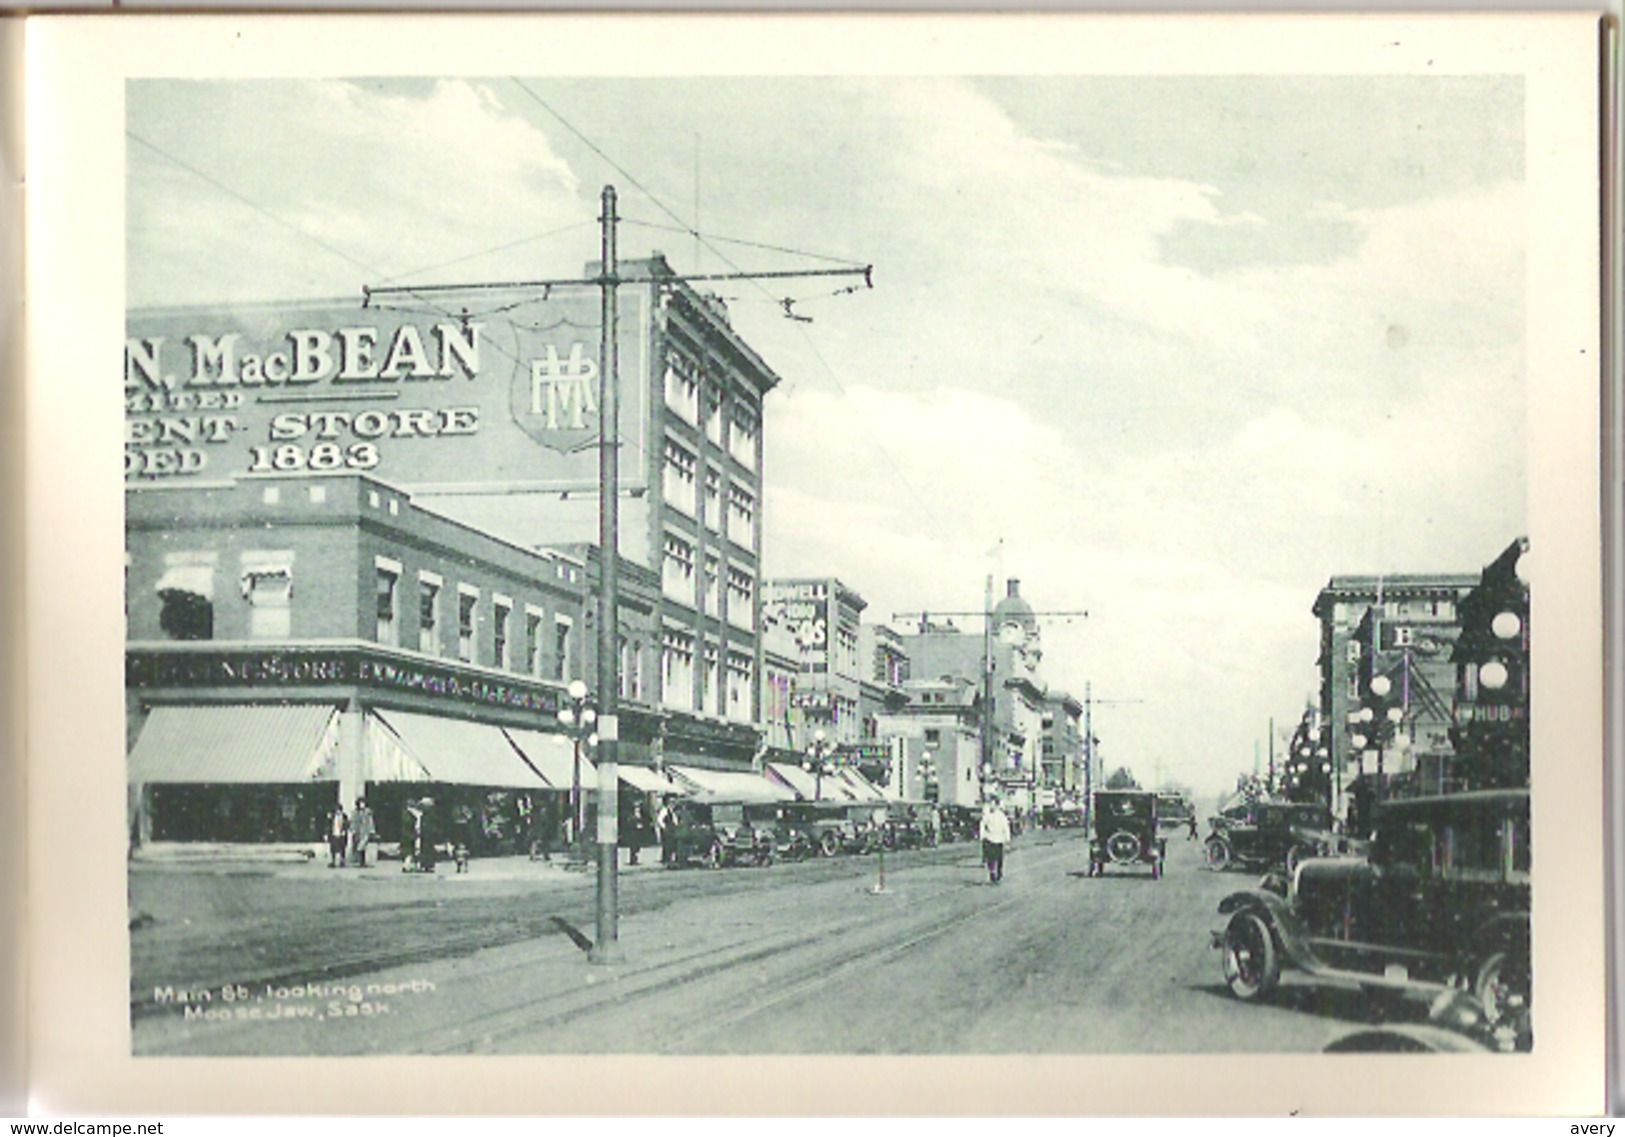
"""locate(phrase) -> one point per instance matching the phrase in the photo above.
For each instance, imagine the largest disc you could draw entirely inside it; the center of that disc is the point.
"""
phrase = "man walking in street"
(995, 836)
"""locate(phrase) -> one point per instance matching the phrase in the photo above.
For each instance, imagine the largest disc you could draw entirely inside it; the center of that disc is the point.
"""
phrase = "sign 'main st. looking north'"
(422, 399)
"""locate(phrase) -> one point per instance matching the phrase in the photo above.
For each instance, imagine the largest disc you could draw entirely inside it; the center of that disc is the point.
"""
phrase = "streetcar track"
(556, 1009)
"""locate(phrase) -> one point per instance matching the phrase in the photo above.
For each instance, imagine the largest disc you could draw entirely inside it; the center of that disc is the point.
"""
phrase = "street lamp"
(818, 762)
(578, 719)
(928, 775)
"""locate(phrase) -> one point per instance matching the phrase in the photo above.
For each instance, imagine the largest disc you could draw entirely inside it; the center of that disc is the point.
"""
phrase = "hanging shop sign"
(435, 400)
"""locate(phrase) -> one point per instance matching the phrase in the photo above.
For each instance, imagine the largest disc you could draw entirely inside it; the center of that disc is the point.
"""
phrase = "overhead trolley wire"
(689, 230)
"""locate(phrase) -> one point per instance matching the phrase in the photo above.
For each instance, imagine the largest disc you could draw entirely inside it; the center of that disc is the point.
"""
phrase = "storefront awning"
(646, 780)
(196, 579)
(735, 786)
(258, 745)
(799, 781)
(861, 788)
(450, 750)
(553, 755)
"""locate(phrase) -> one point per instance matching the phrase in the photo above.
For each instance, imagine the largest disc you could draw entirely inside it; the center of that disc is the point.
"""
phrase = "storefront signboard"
(284, 668)
(423, 395)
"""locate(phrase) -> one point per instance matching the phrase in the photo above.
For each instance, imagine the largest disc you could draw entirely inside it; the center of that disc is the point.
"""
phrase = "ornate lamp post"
(578, 719)
(928, 776)
(819, 761)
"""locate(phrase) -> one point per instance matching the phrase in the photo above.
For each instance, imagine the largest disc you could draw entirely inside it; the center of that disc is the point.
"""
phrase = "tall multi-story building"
(486, 411)
(1008, 653)
(1417, 621)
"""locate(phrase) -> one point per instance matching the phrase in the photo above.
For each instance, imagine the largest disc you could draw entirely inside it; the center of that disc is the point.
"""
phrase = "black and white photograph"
(1004, 554)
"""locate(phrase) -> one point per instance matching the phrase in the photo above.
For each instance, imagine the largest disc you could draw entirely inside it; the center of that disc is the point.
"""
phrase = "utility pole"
(606, 948)
(1089, 702)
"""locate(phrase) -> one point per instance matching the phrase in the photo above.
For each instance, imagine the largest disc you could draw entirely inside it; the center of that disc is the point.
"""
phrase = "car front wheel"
(1251, 966)
(713, 856)
(1218, 854)
(829, 844)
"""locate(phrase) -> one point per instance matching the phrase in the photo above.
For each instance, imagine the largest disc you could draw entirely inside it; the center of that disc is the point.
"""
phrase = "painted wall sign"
(507, 397)
(803, 610)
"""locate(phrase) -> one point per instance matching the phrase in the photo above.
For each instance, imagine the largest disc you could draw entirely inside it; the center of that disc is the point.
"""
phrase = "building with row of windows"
(368, 536)
(1422, 641)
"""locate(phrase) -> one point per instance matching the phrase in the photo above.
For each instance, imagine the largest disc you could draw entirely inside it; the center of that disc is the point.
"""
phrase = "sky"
(1173, 351)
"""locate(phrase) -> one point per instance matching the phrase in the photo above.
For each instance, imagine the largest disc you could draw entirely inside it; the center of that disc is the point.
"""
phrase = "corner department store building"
(361, 552)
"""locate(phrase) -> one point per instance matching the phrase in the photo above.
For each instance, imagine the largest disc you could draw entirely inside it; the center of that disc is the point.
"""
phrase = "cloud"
(281, 190)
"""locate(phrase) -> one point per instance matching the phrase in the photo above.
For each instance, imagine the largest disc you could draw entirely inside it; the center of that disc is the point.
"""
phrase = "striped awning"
(449, 750)
(256, 745)
(553, 756)
(735, 786)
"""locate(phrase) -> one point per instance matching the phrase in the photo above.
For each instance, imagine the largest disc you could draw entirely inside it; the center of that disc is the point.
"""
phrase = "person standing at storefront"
(666, 823)
(338, 835)
(362, 832)
(409, 837)
(995, 834)
(427, 835)
(638, 829)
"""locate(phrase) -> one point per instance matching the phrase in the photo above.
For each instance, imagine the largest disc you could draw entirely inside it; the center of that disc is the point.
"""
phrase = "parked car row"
(718, 832)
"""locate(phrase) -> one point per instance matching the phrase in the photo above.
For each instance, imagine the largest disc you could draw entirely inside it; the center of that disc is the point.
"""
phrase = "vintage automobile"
(1270, 835)
(819, 829)
(1438, 906)
(911, 825)
(715, 832)
(959, 822)
(1126, 832)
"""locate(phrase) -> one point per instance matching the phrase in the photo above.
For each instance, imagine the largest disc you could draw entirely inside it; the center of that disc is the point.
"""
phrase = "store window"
(739, 687)
(533, 641)
(468, 601)
(711, 510)
(267, 586)
(561, 648)
(677, 671)
(429, 614)
(679, 477)
(683, 388)
(501, 617)
(741, 598)
(386, 590)
(713, 413)
(742, 432)
(712, 589)
(677, 569)
(741, 517)
(708, 681)
(186, 596)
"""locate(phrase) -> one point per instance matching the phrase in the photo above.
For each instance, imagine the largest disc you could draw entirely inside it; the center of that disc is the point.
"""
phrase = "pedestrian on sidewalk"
(666, 822)
(428, 833)
(995, 835)
(362, 831)
(409, 836)
(338, 836)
